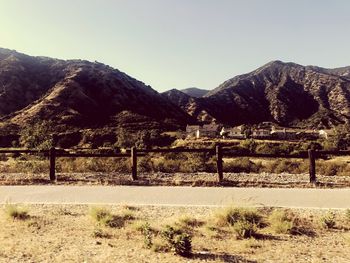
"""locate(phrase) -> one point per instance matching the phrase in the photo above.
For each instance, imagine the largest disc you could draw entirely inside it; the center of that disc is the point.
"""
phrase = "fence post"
(134, 163)
(219, 162)
(52, 155)
(312, 166)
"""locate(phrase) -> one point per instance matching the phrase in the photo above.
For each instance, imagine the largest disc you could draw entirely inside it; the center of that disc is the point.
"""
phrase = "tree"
(38, 135)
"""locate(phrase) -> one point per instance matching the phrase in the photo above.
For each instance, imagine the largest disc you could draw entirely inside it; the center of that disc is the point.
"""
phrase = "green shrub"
(183, 245)
(37, 135)
(147, 235)
(178, 241)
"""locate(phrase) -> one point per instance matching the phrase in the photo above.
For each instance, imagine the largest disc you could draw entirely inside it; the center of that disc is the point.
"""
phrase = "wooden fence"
(218, 151)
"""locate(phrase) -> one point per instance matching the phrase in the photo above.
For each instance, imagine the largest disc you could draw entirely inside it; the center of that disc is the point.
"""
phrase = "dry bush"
(15, 212)
(231, 215)
(333, 168)
(178, 240)
(245, 229)
(280, 222)
(104, 217)
(328, 221)
(286, 166)
(100, 233)
(242, 165)
(66, 165)
(286, 222)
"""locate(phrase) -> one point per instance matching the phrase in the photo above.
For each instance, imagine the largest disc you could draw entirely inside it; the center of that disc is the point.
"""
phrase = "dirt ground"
(179, 179)
(65, 233)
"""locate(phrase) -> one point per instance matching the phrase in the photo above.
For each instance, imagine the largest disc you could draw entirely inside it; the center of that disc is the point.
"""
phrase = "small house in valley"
(234, 132)
(193, 130)
(261, 133)
(207, 130)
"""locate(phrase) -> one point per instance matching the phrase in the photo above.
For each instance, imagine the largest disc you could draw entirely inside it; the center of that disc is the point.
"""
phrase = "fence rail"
(134, 153)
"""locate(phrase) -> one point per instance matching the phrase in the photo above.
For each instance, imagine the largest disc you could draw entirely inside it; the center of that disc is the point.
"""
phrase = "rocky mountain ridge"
(77, 94)
(285, 93)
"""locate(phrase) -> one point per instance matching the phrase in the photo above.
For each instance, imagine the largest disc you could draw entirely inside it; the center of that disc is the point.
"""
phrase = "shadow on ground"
(224, 257)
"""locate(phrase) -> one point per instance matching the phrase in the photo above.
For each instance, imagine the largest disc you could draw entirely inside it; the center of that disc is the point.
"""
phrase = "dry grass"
(67, 233)
(16, 213)
(197, 170)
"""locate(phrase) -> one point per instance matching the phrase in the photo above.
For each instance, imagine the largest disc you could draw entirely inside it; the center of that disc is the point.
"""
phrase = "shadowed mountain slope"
(77, 93)
(285, 93)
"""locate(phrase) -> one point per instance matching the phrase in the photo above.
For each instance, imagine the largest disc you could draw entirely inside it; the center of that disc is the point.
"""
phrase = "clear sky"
(180, 43)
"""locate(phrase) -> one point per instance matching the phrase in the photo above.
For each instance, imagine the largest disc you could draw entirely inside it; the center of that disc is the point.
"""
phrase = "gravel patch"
(179, 179)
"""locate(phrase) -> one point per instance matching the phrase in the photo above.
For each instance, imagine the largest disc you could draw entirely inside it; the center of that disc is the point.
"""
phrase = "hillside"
(195, 107)
(195, 92)
(285, 93)
(78, 94)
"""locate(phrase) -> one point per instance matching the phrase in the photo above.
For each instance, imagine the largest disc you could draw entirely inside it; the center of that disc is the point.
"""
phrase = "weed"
(188, 221)
(101, 215)
(183, 245)
(280, 223)
(178, 241)
(147, 235)
(231, 215)
(15, 212)
(245, 229)
(347, 215)
(99, 233)
(105, 218)
(253, 244)
(328, 220)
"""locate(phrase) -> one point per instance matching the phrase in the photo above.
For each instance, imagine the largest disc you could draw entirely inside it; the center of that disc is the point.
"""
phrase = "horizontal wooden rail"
(178, 150)
(134, 153)
(77, 155)
(335, 153)
(266, 155)
(22, 151)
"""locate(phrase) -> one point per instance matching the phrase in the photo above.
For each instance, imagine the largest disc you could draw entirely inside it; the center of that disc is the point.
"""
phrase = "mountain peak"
(75, 93)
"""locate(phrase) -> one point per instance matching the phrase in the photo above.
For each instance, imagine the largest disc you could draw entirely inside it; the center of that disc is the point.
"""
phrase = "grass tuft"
(15, 212)
(105, 218)
(328, 220)
(231, 215)
(280, 222)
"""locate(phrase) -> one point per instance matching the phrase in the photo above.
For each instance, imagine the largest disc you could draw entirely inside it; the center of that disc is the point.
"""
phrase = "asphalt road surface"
(177, 196)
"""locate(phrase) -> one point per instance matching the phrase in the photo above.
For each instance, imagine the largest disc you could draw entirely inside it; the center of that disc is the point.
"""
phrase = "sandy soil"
(193, 179)
(65, 234)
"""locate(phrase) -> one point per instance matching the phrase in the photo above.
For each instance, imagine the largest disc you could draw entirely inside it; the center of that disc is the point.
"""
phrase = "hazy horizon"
(180, 44)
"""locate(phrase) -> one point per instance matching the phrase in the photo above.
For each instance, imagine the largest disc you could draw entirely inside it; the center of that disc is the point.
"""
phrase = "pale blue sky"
(180, 43)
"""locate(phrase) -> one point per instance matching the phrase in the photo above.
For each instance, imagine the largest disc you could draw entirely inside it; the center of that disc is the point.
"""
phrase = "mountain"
(195, 107)
(286, 93)
(76, 94)
(195, 92)
(342, 72)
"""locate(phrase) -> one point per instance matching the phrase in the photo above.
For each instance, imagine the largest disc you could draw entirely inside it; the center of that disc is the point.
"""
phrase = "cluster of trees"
(41, 135)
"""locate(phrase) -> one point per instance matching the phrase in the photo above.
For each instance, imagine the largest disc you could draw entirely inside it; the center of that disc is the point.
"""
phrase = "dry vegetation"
(80, 233)
(175, 169)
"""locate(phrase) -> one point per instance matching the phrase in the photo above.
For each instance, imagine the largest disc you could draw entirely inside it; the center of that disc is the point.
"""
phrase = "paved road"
(177, 196)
